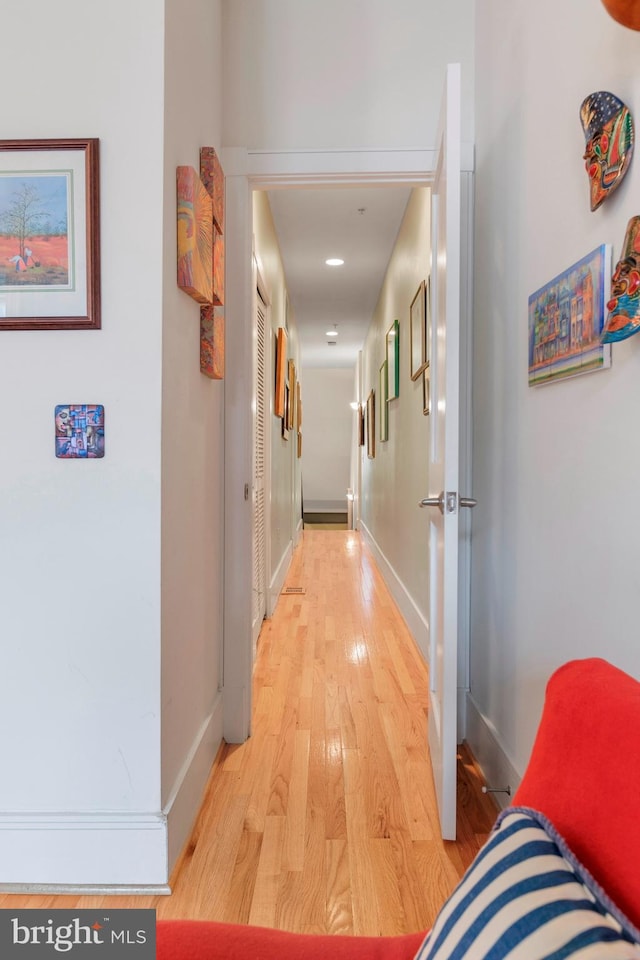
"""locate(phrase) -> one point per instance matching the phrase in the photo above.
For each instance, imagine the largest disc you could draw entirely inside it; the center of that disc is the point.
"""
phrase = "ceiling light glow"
(332, 333)
(334, 262)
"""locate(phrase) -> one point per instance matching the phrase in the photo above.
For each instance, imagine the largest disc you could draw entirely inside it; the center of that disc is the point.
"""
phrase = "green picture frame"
(393, 360)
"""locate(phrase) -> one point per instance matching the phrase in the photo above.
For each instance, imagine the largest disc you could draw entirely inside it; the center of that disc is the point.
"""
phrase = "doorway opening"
(247, 173)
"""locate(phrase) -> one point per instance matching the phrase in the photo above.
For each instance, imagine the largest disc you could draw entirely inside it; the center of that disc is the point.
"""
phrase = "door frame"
(246, 171)
(260, 288)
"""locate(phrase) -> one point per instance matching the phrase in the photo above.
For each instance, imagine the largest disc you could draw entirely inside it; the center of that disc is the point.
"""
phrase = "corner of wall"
(490, 753)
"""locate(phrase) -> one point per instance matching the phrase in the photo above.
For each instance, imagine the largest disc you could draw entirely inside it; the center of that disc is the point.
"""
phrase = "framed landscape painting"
(49, 234)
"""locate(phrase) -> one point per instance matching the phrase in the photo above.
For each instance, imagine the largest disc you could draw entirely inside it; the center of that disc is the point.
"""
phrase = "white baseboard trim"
(299, 530)
(278, 578)
(88, 890)
(108, 853)
(490, 753)
(413, 617)
(186, 795)
(82, 850)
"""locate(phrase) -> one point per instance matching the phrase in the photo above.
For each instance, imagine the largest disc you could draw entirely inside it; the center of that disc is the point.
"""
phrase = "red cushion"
(207, 940)
(584, 773)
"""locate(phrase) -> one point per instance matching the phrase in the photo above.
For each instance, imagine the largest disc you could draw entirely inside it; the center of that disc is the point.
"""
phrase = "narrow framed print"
(49, 235)
(281, 372)
(384, 404)
(418, 331)
(371, 425)
(426, 393)
(393, 360)
(291, 379)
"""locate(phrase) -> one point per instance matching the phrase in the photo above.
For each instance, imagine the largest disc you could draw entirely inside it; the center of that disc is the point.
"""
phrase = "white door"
(259, 604)
(444, 500)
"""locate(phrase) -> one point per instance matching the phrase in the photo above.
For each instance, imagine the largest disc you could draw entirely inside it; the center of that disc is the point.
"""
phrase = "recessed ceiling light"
(332, 333)
(334, 262)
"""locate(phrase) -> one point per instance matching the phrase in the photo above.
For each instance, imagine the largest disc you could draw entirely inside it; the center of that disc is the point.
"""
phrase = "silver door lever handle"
(451, 501)
(434, 502)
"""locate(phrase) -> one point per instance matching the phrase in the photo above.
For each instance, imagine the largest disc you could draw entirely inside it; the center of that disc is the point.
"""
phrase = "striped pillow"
(526, 897)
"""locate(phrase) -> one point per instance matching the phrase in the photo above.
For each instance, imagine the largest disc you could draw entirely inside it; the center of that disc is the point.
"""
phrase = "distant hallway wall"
(327, 433)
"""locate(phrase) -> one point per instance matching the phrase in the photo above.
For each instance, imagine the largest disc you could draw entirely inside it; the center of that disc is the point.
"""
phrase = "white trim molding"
(412, 615)
(188, 790)
(81, 850)
(247, 170)
(278, 578)
(280, 168)
(490, 753)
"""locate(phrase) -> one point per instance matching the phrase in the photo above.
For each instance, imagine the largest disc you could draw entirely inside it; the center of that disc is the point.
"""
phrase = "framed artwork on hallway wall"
(384, 406)
(49, 235)
(281, 373)
(418, 342)
(285, 418)
(292, 395)
(393, 360)
(371, 425)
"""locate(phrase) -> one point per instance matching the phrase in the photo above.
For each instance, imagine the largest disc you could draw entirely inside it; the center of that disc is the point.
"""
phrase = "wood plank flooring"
(325, 820)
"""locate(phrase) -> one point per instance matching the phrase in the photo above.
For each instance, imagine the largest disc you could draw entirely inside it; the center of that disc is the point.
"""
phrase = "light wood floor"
(325, 820)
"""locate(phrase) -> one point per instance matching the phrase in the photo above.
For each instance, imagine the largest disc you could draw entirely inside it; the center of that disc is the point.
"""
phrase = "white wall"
(397, 478)
(192, 447)
(342, 73)
(327, 431)
(555, 572)
(79, 563)
(285, 466)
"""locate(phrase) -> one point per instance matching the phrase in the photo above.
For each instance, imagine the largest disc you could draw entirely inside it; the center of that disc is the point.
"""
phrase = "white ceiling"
(360, 225)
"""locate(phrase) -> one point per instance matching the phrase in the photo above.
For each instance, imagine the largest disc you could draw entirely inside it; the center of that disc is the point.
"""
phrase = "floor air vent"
(297, 591)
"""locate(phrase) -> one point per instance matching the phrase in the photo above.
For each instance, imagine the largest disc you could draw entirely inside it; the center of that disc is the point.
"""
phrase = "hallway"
(325, 820)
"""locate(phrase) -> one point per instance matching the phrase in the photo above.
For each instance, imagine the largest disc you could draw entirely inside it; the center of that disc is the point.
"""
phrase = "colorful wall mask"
(626, 12)
(608, 129)
(623, 318)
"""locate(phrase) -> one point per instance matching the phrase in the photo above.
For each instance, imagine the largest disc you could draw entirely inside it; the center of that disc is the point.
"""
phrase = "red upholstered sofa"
(583, 774)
